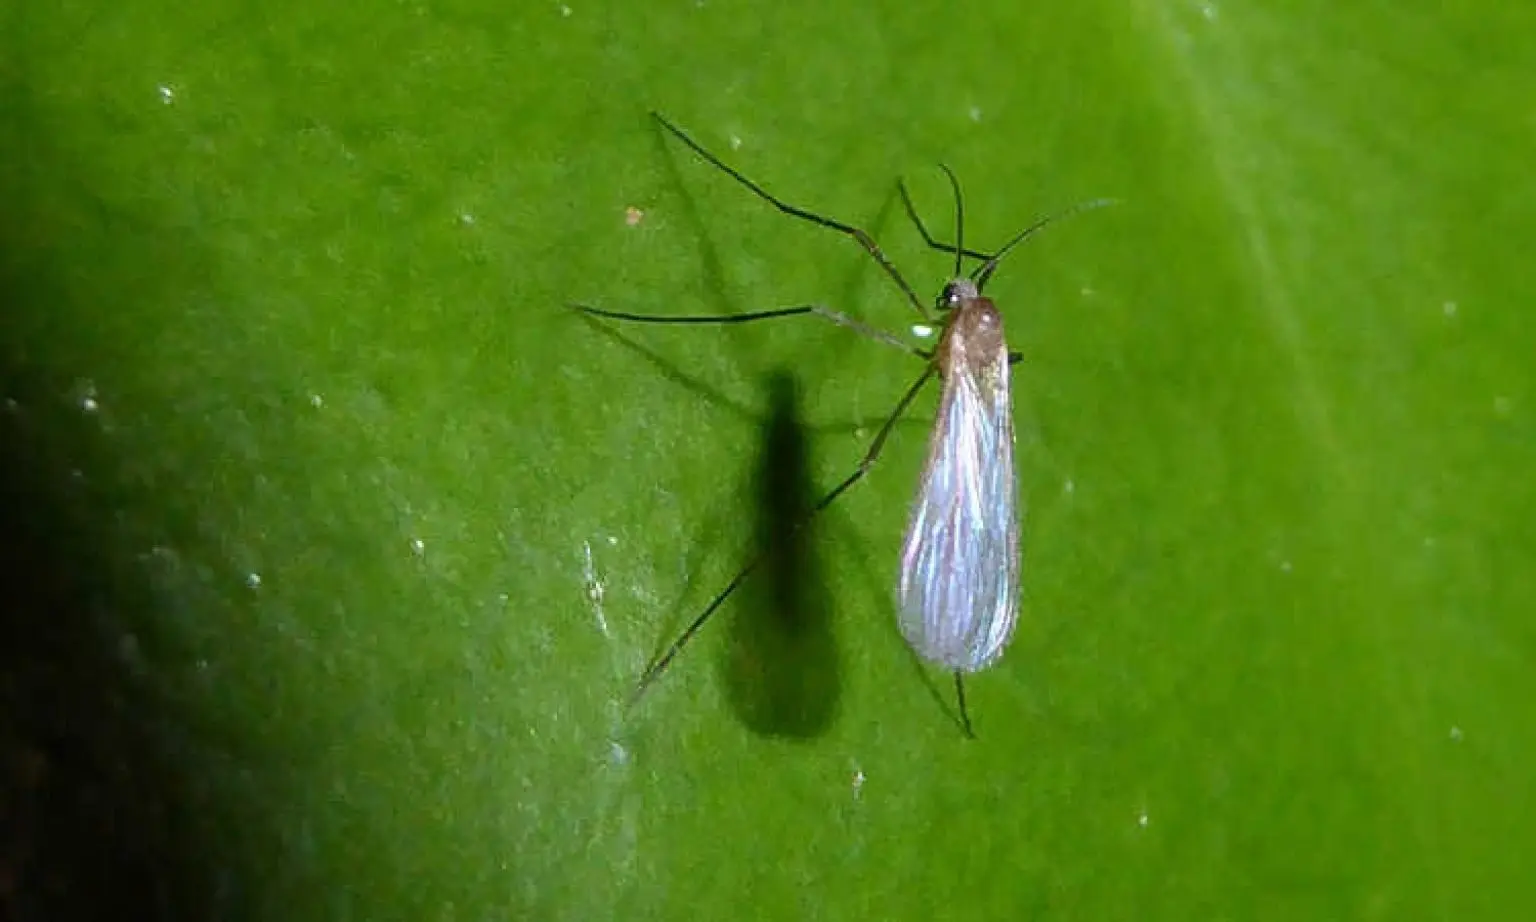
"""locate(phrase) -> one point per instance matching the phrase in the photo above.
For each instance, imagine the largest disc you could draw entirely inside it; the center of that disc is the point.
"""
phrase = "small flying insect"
(958, 588)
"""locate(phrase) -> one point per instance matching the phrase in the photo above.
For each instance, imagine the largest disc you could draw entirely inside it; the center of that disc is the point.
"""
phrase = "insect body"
(959, 582)
(958, 589)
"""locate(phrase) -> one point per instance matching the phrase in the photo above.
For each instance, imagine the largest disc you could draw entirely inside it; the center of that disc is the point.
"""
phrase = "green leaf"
(341, 542)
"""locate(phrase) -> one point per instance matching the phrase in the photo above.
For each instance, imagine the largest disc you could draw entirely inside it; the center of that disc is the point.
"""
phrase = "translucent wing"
(958, 592)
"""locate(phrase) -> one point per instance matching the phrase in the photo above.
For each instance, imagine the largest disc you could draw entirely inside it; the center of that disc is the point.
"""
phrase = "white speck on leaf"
(87, 391)
(595, 588)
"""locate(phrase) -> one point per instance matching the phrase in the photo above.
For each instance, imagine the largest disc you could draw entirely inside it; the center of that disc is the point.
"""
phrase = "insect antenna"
(954, 185)
(983, 272)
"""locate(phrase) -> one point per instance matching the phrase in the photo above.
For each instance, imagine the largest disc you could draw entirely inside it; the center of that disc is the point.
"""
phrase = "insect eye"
(948, 298)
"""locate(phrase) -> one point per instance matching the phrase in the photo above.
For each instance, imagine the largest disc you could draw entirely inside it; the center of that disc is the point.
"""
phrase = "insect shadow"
(780, 665)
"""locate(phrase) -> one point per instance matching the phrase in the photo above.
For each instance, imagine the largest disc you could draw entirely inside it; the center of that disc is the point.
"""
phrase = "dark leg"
(837, 317)
(906, 199)
(659, 665)
(863, 238)
(965, 717)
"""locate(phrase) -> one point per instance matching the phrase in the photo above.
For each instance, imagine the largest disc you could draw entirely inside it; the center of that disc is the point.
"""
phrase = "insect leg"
(863, 237)
(826, 313)
(917, 221)
(660, 664)
(965, 717)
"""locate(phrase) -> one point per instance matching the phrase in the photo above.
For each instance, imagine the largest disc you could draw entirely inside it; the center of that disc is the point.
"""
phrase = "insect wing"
(958, 592)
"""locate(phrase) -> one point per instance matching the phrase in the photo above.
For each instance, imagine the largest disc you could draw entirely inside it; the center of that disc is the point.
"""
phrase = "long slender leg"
(837, 317)
(906, 200)
(965, 717)
(863, 238)
(990, 260)
(660, 664)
